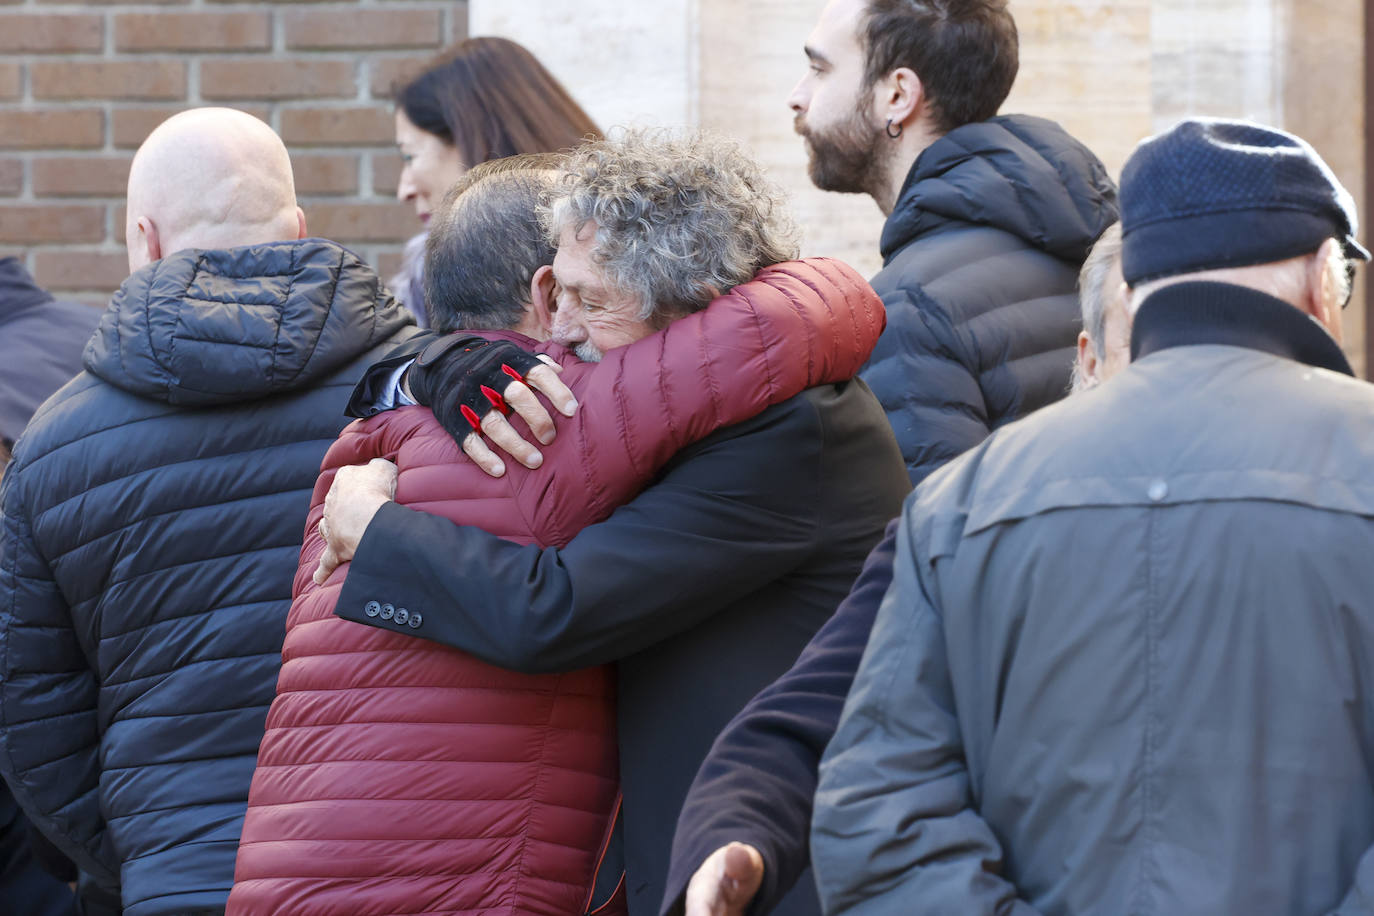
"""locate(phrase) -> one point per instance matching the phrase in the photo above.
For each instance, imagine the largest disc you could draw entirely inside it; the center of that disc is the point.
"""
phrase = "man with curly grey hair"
(651, 226)
(707, 585)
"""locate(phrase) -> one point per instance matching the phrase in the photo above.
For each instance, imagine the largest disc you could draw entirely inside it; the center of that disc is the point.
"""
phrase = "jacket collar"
(17, 289)
(1189, 314)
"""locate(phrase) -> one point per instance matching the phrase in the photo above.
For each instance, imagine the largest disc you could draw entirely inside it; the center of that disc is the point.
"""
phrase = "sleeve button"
(416, 618)
(388, 611)
(372, 609)
(402, 616)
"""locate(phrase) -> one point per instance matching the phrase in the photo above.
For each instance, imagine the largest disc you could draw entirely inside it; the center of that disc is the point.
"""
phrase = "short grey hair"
(1092, 282)
(680, 217)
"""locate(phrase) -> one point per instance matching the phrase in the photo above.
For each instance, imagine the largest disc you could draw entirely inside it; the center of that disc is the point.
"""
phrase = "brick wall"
(81, 85)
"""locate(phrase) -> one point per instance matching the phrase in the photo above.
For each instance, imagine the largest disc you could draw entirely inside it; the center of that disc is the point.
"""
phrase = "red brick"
(165, 31)
(68, 128)
(131, 126)
(386, 173)
(316, 174)
(368, 125)
(37, 33)
(11, 177)
(385, 73)
(9, 80)
(80, 176)
(125, 79)
(359, 222)
(360, 28)
(276, 79)
(78, 269)
(26, 224)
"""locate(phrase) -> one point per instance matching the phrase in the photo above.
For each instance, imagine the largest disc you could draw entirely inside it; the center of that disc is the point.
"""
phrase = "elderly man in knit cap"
(1123, 664)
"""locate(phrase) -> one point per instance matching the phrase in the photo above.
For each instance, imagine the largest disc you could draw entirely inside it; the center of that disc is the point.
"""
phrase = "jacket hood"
(200, 328)
(1017, 173)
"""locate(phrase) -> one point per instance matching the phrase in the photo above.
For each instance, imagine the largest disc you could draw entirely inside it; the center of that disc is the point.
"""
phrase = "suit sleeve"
(894, 819)
(374, 393)
(925, 375)
(723, 522)
(49, 732)
(757, 783)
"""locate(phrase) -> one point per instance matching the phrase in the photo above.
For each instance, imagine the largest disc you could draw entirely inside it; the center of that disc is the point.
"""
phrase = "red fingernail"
(512, 373)
(471, 416)
(495, 398)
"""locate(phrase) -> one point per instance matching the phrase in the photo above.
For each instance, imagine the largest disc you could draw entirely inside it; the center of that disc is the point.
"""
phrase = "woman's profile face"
(429, 166)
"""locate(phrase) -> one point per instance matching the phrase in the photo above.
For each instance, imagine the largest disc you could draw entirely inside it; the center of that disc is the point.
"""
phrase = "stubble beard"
(850, 157)
(588, 353)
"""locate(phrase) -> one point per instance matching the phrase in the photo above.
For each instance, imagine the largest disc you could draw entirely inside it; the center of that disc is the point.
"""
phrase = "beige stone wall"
(1112, 71)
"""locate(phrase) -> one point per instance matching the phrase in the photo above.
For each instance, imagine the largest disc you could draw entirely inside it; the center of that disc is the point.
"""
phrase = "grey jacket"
(1125, 663)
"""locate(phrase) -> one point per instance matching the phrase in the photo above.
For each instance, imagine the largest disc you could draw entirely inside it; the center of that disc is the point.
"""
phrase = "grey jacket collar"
(1221, 313)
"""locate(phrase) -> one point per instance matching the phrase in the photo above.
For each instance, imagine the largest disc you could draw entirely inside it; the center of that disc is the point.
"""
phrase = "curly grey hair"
(680, 217)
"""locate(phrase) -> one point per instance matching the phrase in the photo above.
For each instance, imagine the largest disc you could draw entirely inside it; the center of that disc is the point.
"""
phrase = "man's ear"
(1087, 359)
(899, 97)
(1324, 295)
(543, 301)
(148, 238)
(300, 224)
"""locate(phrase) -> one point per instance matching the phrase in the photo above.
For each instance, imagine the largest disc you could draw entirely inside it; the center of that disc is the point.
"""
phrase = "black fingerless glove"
(460, 377)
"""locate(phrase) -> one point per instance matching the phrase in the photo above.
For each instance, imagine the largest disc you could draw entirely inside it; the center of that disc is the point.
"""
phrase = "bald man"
(153, 515)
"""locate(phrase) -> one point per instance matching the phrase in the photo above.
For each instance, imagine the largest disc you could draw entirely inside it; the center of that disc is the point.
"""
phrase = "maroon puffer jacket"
(400, 776)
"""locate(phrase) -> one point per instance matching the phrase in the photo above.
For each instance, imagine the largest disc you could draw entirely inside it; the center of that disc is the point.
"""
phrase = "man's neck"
(902, 155)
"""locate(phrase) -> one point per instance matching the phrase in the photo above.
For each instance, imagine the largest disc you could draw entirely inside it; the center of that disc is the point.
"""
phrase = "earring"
(889, 130)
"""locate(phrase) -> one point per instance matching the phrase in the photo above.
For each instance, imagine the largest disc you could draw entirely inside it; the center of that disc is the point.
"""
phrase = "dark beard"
(848, 158)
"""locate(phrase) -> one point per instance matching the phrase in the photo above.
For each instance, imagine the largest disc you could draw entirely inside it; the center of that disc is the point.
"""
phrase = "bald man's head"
(210, 178)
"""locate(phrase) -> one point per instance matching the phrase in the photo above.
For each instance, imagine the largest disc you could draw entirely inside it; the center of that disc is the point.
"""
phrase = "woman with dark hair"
(485, 98)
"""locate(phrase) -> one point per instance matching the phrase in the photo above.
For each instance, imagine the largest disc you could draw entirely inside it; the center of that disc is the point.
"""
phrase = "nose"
(566, 330)
(405, 185)
(797, 99)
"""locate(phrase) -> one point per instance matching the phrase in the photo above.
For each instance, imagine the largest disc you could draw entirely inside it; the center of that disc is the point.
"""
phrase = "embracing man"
(706, 585)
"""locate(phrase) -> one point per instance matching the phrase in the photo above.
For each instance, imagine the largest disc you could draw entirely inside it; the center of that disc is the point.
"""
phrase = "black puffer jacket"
(980, 260)
(152, 521)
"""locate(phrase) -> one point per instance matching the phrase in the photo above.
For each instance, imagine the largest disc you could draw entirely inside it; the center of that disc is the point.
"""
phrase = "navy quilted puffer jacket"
(980, 261)
(152, 521)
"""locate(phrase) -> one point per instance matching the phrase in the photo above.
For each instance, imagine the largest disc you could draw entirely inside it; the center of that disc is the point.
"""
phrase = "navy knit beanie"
(1213, 193)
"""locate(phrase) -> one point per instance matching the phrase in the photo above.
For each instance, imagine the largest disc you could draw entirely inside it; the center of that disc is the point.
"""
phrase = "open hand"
(354, 497)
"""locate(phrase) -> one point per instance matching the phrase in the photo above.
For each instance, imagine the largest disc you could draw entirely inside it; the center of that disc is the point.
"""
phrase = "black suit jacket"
(702, 590)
